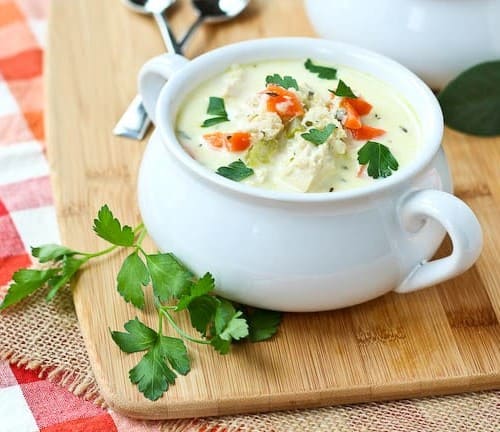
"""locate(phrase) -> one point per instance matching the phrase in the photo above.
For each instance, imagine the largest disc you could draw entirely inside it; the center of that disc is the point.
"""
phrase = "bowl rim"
(169, 103)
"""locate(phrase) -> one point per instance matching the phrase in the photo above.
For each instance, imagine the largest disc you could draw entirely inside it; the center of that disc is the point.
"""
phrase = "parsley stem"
(160, 323)
(180, 331)
(100, 253)
(141, 236)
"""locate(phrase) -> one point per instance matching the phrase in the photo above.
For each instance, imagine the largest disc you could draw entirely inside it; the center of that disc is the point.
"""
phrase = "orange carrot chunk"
(366, 132)
(352, 119)
(216, 139)
(239, 141)
(283, 102)
(361, 106)
(234, 142)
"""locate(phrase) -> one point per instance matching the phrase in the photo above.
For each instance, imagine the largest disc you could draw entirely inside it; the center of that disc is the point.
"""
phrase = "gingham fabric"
(27, 217)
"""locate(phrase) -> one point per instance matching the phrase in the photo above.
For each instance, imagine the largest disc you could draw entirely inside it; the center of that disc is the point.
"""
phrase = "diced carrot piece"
(366, 132)
(283, 102)
(235, 142)
(361, 106)
(352, 119)
(239, 141)
(216, 139)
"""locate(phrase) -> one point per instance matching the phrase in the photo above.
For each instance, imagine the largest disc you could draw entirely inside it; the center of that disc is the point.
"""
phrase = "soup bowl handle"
(153, 76)
(460, 223)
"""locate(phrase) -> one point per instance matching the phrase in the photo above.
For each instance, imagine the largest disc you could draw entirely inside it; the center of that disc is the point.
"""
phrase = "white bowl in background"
(436, 39)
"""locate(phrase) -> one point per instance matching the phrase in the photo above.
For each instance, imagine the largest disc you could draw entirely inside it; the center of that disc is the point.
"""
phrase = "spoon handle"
(191, 30)
(167, 35)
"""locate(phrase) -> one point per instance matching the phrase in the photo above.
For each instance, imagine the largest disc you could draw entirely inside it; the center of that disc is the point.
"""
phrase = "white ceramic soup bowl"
(437, 39)
(293, 251)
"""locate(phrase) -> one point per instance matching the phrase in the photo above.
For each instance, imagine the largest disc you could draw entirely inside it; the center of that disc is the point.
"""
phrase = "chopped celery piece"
(261, 152)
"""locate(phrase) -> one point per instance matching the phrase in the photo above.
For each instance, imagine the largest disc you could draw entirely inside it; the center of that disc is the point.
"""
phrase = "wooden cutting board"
(445, 339)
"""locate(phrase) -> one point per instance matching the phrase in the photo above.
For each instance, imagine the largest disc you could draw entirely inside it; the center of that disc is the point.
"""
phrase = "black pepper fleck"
(331, 189)
(404, 129)
(309, 123)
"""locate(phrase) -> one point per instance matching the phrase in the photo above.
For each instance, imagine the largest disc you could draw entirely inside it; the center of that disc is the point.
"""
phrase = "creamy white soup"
(298, 126)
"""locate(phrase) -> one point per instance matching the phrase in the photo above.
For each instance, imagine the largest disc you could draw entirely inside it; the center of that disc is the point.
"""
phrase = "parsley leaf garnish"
(343, 90)
(68, 269)
(263, 324)
(381, 162)
(51, 252)
(286, 82)
(219, 321)
(319, 136)
(131, 279)
(108, 227)
(169, 276)
(139, 337)
(25, 283)
(153, 374)
(236, 171)
(217, 108)
(323, 72)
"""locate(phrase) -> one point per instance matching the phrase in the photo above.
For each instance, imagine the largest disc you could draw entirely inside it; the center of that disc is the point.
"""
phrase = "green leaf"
(25, 283)
(323, 72)
(263, 324)
(152, 375)
(203, 286)
(471, 102)
(109, 228)
(202, 312)
(213, 121)
(236, 171)
(133, 275)
(286, 82)
(199, 288)
(176, 353)
(170, 278)
(139, 337)
(228, 322)
(220, 345)
(216, 107)
(51, 252)
(379, 158)
(343, 90)
(69, 268)
(236, 328)
(319, 136)
(225, 311)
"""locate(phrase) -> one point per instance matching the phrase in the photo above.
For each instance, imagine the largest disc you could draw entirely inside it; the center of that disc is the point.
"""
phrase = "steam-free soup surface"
(291, 129)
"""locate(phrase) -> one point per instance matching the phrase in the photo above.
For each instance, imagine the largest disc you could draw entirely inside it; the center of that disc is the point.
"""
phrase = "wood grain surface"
(441, 340)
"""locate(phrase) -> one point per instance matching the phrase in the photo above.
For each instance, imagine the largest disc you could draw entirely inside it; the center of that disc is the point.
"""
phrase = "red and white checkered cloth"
(27, 217)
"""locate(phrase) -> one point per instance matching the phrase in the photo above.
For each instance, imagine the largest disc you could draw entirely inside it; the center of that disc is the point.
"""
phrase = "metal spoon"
(214, 11)
(135, 122)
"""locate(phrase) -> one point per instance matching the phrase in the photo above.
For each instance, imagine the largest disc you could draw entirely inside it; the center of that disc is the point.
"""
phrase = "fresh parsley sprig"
(319, 136)
(175, 289)
(236, 171)
(323, 72)
(286, 82)
(381, 162)
(343, 90)
(217, 108)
